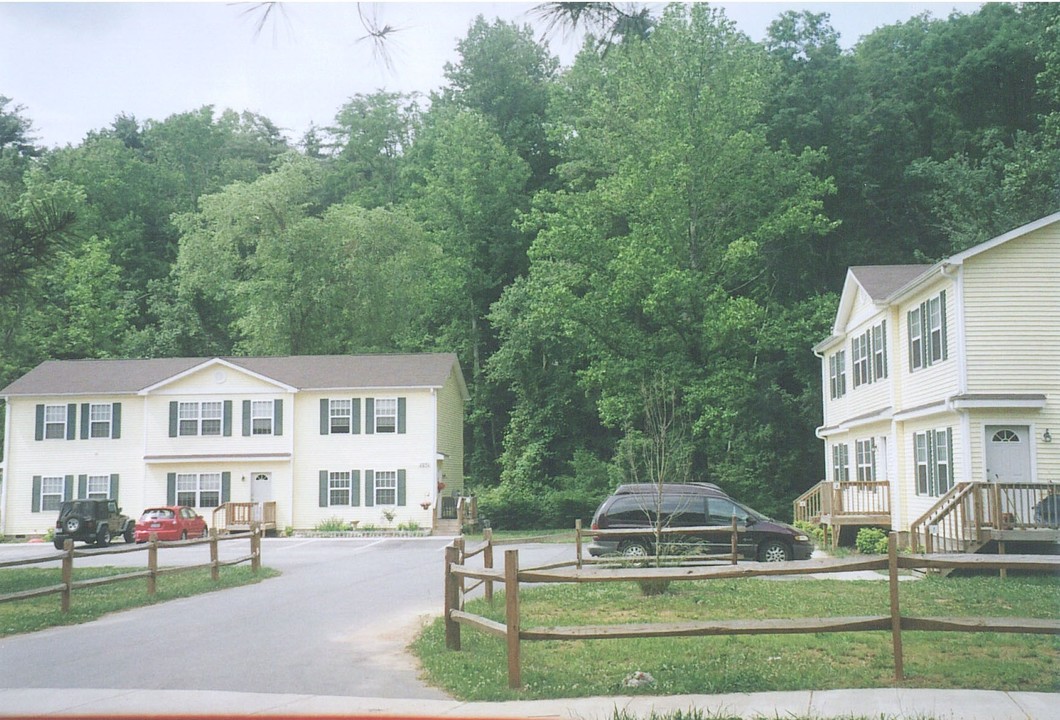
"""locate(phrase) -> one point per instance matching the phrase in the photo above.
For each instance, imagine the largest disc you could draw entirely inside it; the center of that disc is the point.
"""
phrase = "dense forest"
(632, 256)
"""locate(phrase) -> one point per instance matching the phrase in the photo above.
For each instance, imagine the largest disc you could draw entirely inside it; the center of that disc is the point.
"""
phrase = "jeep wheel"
(59, 544)
(773, 551)
(72, 525)
(634, 549)
(129, 534)
(103, 537)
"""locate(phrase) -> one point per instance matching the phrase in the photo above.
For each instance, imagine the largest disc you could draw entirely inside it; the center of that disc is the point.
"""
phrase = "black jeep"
(93, 522)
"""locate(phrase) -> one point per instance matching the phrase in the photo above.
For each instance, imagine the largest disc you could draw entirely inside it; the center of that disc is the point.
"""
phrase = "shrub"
(332, 525)
(871, 541)
(411, 526)
(817, 533)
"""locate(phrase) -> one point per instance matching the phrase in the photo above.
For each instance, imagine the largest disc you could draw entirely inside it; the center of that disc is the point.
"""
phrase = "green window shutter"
(401, 417)
(369, 416)
(227, 418)
(401, 488)
(39, 432)
(277, 416)
(82, 486)
(84, 421)
(355, 416)
(114, 486)
(226, 486)
(355, 488)
(909, 332)
(883, 335)
(246, 418)
(325, 418)
(925, 335)
(942, 313)
(323, 495)
(71, 421)
(172, 421)
(35, 504)
(115, 421)
(369, 488)
(68, 487)
(171, 488)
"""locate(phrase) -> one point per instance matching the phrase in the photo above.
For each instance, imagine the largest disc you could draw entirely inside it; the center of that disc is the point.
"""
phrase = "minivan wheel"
(633, 548)
(773, 551)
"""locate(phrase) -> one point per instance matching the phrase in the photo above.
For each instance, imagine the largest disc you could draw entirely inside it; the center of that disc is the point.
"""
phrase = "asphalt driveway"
(336, 622)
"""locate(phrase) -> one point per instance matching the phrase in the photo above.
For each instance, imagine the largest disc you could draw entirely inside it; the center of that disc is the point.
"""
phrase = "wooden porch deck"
(966, 519)
(240, 517)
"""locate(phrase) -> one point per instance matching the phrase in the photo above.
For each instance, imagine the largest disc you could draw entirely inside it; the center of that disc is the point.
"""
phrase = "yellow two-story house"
(941, 389)
(293, 441)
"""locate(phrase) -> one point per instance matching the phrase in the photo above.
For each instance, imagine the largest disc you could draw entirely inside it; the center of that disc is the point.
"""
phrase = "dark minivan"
(694, 505)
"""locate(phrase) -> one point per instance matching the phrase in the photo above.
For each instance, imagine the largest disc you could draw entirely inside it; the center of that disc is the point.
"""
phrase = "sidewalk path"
(896, 704)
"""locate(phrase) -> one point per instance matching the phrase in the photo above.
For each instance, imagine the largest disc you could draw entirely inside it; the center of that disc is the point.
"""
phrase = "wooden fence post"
(896, 615)
(460, 560)
(511, 615)
(152, 564)
(578, 543)
(255, 549)
(487, 561)
(452, 599)
(733, 539)
(68, 573)
(215, 572)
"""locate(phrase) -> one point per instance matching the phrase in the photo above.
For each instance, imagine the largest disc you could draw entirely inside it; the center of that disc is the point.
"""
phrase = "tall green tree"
(673, 261)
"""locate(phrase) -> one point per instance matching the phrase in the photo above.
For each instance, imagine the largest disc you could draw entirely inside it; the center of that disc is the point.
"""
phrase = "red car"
(175, 522)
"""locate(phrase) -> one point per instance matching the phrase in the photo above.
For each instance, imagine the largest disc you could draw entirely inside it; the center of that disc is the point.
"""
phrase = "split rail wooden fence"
(66, 587)
(457, 572)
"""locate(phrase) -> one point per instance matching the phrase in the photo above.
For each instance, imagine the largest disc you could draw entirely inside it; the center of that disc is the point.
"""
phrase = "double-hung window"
(200, 418)
(840, 463)
(865, 452)
(386, 413)
(339, 488)
(99, 420)
(837, 374)
(386, 485)
(927, 333)
(869, 355)
(55, 422)
(51, 492)
(98, 487)
(933, 456)
(199, 489)
(261, 417)
(340, 413)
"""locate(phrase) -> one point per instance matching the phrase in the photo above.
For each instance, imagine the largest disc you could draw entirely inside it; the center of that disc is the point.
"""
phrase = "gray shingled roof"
(880, 281)
(323, 372)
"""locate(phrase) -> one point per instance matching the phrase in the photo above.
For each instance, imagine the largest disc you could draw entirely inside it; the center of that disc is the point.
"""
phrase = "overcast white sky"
(75, 66)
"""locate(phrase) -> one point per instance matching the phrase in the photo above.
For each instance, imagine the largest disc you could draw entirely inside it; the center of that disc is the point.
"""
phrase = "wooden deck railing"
(973, 513)
(240, 516)
(828, 500)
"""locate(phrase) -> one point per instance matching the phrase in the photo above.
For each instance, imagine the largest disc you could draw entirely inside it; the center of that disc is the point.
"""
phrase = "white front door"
(261, 488)
(1008, 453)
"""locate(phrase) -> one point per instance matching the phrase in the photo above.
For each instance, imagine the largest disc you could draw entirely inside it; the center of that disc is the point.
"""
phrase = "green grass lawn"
(822, 661)
(90, 603)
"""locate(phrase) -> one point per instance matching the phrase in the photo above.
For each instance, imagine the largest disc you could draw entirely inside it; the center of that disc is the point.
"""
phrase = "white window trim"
(264, 416)
(61, 412)
(340, 409)
(339, 481)
(46, 492)
(101, 481)
(200, 481)
(390, 405)
(390, 476)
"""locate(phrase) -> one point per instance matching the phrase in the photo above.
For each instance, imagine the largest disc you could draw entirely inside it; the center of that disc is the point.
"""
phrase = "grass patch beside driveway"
(87, 604)
(739, 664)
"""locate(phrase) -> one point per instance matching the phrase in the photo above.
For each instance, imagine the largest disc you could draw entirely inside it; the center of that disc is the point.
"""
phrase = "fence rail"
(151, 574)
(513, 576)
